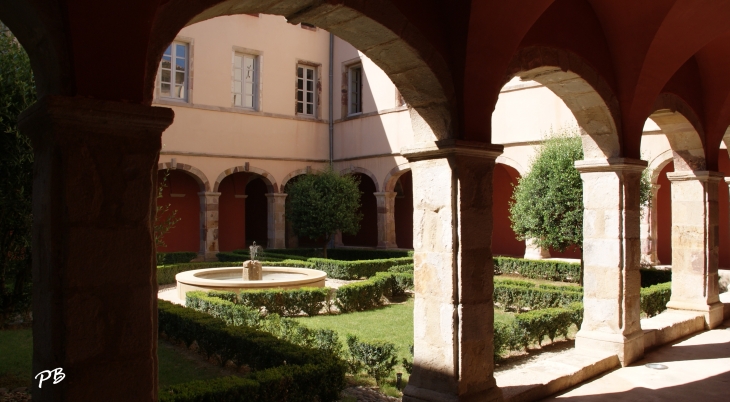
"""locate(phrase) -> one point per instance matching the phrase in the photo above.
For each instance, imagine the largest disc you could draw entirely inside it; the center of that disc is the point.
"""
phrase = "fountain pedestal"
(252, 271)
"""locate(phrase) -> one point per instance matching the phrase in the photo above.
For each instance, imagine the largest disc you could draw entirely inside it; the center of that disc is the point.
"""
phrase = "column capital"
(97, 116)
(611, 165)
(209, 194)
(451, 147)
(385, 193)
(698, 175)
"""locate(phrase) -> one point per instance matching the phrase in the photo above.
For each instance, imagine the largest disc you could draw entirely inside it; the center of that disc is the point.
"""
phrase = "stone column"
(611, 251)
(337, 240)
(209, 208)
(695, 244)
(535, 252)
(277, 219)
(94, 276)
(454, 311)
(648, 230)
(386, 219)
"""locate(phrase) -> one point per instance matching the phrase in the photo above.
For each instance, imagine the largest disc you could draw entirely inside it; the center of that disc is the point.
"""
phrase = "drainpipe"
(331, 98)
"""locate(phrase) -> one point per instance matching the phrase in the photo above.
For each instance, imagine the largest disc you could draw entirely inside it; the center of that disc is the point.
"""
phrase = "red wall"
(232, 212)
(723, 165)
(368, 234)
(185, 235)
(504, 240)
(664, 216)
(257, 220)
(404, 212)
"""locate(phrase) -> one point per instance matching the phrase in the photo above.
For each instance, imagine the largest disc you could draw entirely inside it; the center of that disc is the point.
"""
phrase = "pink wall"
(185, 235)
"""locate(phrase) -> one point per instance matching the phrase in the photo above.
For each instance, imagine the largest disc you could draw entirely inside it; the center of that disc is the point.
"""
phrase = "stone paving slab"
(698, 369)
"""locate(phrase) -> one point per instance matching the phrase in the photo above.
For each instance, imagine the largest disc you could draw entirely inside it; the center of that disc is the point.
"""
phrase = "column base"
(713, 312)
(209, 256)
(386, 245)
(414, 394)
(628, 348)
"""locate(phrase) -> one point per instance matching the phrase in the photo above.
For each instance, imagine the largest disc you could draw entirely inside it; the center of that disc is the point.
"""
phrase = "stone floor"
(698, 369)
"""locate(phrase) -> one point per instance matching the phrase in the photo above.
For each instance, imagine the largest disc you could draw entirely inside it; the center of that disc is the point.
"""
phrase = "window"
(245, 74)
(174, 71)
(305, 90)
(355, 89)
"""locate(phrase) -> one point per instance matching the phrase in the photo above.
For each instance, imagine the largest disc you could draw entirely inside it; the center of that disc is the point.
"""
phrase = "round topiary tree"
(547, 204)
(322, 204)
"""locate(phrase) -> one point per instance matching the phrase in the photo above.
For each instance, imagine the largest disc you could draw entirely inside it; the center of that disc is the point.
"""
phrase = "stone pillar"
(649, 230)
(386, 220)
(337, 240)
(611, 251)
(277, 220)
(695, 244)
(94, 276)
(209, 208)
(454, 311)
(535, 252)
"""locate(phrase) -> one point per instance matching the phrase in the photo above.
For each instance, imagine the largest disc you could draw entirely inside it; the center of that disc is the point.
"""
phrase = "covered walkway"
(697, 369)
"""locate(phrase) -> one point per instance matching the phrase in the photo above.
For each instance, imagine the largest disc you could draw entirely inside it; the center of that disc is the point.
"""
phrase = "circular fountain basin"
(231, 279)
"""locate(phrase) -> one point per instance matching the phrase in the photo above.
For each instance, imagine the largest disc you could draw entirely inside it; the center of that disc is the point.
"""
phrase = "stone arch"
(377, 28)
(682, 127)
(583, 91)
(392, 178)
(506, 160)
(658, 163)
(294, 174)
(194, 172)
(357, 169)
(265, 176)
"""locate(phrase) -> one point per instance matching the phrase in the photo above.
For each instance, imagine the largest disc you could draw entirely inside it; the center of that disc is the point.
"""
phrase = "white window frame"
(304, 88)
(173, 55)
(253, 80)
(354, 89)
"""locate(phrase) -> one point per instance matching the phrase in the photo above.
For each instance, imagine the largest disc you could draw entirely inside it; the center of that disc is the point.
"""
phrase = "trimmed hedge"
(534, 326)
(551, 270)
(283, 371)
(407, 268)
(369, 294)
(166, 274)
(287, 302)
(337, 269)
(654, 298)
(179, 257)
(354, 254)
(653, 276)
(533, 298)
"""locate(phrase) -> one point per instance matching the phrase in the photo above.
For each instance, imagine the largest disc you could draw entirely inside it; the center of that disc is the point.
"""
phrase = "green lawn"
(16, 360)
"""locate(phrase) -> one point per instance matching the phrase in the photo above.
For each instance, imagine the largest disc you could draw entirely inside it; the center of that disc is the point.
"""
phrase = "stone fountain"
(252, 270)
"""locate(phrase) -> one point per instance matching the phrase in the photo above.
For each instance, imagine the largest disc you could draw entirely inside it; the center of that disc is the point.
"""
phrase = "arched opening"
(180, 192)
(242, 211)
(256, 212)
(664, 216)
(404, 210)
(504, 240)
(723, 201)
(367, 236)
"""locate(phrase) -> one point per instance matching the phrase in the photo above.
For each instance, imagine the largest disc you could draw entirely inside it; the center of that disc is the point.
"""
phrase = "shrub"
(355, 254)
(519, 297)
(377, 358)
(287, 302)
(337, 269)
(654, 299)
(359, 296)
(284, 371)
(166, 274)
(408, 364)
(559, 271)
(653, 276)
(180, 257)
(407, 268)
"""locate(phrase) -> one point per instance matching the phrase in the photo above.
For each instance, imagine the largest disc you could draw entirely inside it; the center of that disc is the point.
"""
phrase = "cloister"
(614, 64)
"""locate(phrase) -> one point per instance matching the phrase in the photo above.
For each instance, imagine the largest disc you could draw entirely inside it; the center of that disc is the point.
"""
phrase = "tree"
(165, 219)
(17, 92)
(323, 203)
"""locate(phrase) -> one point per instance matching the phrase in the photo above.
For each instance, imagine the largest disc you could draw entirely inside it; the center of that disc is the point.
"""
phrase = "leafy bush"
(407, 268)
(408, 364)
(337, 269)
(559, 271)
(166, 274)
(654, 299)
(180, 257)
(653, 276)
(359, 296)
(355, 254)
(283, 371)
(377, 358)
